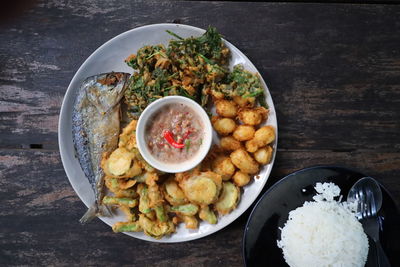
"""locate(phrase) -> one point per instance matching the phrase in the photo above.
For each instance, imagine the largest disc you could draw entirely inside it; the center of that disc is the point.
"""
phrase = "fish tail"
(94, 211)
(90, 214)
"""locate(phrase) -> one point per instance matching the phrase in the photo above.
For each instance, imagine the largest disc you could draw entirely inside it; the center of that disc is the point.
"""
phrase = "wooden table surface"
(333, 71)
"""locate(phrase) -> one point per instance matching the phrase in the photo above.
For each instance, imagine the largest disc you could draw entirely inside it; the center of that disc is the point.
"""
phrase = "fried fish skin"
(229, 198)
(253, 116)
(263, 155)
(241, 178)
(242, 160)
(223, 126)
(229, 143)
(223, 166)
(226, 108)
(203, 188)
(262, 137)
(244, 132)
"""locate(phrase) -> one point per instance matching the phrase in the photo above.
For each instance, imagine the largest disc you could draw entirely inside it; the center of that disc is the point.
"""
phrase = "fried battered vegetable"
(253, 116)
(160, 213)
(226, 108)
(228, 199)
(190, 222)
(207, 215)
(244, 132)
(202, 189)
(155, 229)
(172, 193)
(126, 183)
(107, 200)
(241, 178)
(128, 193)
(263, 155)
(127, 138)
(242, 160)
(262, 137)
(186, 209)
(144, 202)
(223, 166)
(126, 227)
(229, 143)
(120, 164)
(223, 126)
(244, 102)
(130, 215)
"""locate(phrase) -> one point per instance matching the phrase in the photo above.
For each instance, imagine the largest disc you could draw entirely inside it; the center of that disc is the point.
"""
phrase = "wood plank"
(333, 70)
(40, 211)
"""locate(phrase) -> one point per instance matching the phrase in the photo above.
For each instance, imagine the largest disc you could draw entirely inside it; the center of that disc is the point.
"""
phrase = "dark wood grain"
(333, 72)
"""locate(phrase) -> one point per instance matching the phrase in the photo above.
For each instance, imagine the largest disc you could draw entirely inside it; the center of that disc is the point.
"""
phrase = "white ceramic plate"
(110, 57)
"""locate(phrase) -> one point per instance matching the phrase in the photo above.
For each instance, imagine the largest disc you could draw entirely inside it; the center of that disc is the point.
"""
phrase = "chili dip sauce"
(174, 134)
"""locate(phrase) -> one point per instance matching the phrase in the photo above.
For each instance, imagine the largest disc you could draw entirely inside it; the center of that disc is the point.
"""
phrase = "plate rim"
(63, 113)
(288, 176)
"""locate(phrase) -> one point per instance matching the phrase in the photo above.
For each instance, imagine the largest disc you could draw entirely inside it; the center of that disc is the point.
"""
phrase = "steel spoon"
(368, 194)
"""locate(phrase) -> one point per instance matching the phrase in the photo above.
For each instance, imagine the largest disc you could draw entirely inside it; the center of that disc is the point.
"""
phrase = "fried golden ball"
(223, 126)
(242, 160)
(243, 132)
(252, 116)
(226, 108)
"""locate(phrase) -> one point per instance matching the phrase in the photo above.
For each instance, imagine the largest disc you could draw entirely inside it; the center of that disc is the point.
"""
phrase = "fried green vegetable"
(107, 200)
(160, 213)
(172, 193)
(126, 227)
(187, 209)
(156, 229)
(207, 215)
(144, 202)
(228, 199)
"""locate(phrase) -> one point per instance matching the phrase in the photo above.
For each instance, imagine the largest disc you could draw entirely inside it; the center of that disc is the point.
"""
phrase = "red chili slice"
(170, 139)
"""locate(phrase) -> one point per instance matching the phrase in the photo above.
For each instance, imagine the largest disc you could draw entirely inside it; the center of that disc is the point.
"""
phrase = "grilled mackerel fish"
(95, 129)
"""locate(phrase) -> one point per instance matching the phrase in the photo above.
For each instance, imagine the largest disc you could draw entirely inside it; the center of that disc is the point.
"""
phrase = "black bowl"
(272, 210)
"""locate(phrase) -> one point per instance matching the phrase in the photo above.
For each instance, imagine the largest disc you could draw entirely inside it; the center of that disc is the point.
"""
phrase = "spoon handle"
(383, 261)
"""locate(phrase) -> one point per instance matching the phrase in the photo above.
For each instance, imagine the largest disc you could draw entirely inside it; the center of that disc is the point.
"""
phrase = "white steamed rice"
(323, 233)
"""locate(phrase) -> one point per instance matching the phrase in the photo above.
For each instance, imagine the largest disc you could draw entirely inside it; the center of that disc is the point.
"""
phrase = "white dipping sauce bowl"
(145, 119)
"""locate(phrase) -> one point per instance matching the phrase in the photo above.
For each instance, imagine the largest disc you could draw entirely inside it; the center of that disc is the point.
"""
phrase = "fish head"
(104, 91)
